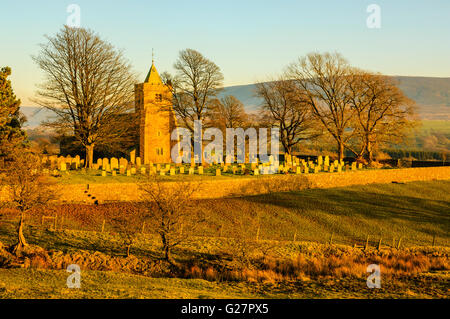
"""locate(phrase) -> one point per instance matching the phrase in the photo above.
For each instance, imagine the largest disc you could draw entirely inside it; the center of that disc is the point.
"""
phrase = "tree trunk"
(21, 242)
(89, 156)
(368, 150)
(340, 146)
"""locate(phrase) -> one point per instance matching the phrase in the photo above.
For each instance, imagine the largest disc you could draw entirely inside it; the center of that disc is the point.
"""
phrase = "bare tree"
(26, 187)
(323, 78)
(89, 87)
(227, 112)
(383, 112)
(129, 223)
(196, 82)
(170, 207)
(285, 104)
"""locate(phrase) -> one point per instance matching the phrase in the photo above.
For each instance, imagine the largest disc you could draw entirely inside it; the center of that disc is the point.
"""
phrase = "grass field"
(416, 212)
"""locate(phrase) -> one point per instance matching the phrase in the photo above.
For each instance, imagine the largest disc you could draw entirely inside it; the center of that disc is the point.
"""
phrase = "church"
(154, 107)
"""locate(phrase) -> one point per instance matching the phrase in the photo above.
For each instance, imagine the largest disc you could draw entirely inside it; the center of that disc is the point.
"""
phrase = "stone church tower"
(153, 103)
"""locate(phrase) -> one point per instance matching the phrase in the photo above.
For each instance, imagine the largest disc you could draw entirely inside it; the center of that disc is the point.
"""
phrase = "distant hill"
(431, 94)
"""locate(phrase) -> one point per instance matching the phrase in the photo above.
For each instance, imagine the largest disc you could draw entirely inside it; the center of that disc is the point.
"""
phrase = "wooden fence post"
(379, 244)
(399, 242)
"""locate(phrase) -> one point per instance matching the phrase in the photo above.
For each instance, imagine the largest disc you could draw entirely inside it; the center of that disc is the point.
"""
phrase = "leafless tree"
(196, 82)
(27, 188)
(129, 224)
(324, 79)
(383, 112)
(171, 208)
(285, 104)
(89, 87)
(227, 112)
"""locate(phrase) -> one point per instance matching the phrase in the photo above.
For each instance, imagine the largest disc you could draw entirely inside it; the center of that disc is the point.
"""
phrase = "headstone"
(123, 162)
(133, 156)
(99, 163)
(200, 170)
(105, 163)
(299, 170)
(191, 171)
(138, 162)
(172, 171)
(354, 166)
(133, 171)
(327, 161)
(162, 172)
(256, 171)
(360, 165)
(62, 166)
(114, 163)
(218, 172)
(114, 173)
(143, 170)
(103, 173)
(319, 160)
(182, 170)
(128, 172)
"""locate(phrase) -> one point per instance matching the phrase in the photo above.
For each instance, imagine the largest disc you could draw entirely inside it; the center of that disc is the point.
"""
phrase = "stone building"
(153, 103)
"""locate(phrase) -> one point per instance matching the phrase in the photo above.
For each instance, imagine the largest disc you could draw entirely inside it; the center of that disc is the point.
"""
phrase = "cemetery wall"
(216, 188)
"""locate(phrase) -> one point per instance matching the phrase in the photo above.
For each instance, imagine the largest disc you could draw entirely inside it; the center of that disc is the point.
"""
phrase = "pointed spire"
(153, 76)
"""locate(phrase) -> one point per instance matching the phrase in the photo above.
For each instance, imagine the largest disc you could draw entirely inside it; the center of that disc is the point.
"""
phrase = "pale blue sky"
(250, 40)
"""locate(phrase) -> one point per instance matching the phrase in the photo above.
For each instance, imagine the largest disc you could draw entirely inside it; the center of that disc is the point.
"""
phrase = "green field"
(417, 212)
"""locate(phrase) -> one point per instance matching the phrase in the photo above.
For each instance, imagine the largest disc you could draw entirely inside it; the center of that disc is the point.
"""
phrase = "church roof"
(153, 76)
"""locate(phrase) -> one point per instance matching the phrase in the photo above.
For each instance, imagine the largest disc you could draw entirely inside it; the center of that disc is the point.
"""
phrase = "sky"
(250, 40)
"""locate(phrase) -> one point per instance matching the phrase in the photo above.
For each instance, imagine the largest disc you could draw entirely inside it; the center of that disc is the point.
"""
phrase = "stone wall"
(211, 188)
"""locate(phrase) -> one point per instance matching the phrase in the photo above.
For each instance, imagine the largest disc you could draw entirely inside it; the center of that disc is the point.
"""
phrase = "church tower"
(153, 103)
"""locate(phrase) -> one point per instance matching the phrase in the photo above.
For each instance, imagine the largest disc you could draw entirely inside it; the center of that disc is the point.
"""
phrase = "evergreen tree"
(11, 134)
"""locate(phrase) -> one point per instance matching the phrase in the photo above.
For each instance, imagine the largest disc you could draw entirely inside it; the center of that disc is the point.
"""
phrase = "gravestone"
(105, 163)
(133, 156)
(99, 163)
(103, 173)
(299, 170)
(114, 172)
(327, 161)
(114, 163)
(191, 171)
(256, 172)
(138, 162)
(172, 171)
(200, 170)
(182, 170)
(218, 172)
(143, 170)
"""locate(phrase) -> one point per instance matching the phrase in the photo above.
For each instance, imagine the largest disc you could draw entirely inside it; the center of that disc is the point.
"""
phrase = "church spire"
(153, 76)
